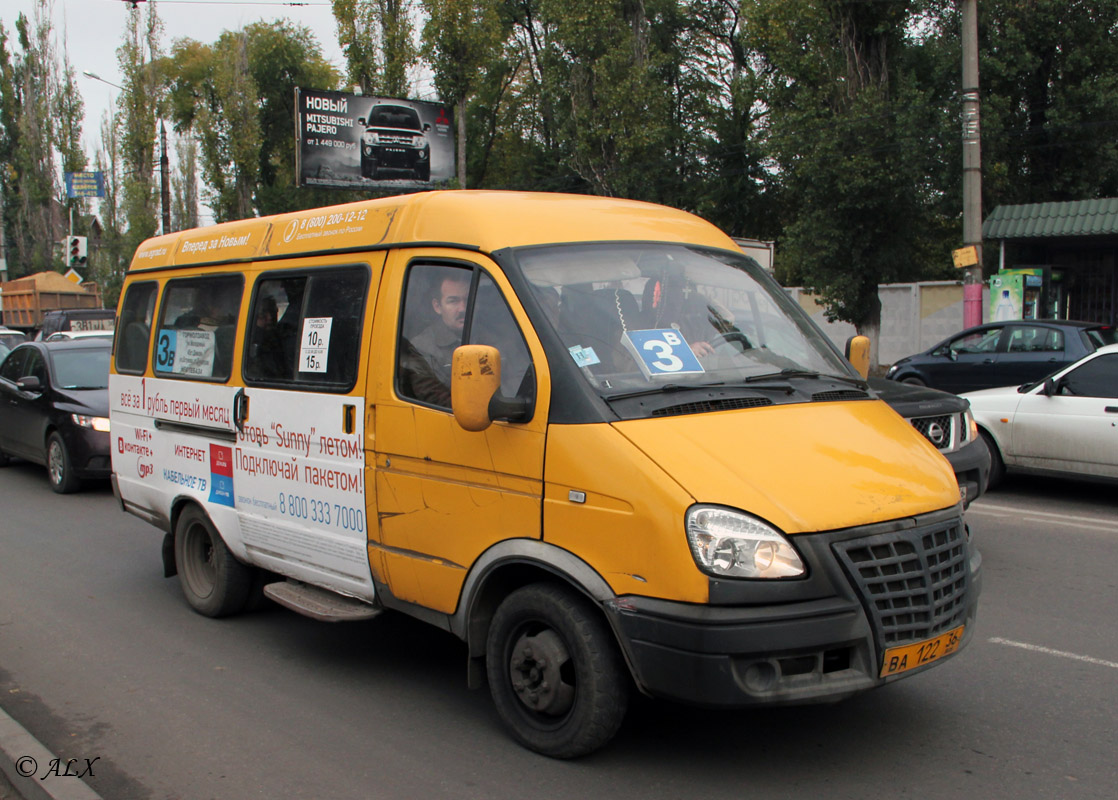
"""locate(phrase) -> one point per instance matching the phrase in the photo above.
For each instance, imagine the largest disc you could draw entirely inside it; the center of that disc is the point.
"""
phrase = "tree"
(237, 98)
(31, 192)
(1049, 100)
(847, 132)
(184, 185)
(376, 38)
(140, 104)
(460, 37)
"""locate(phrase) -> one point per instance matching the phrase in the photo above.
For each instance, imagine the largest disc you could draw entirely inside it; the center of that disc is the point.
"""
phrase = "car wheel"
(59, 470)
(374, 170)
(364, 168)
(214, 582)
(423, 172)
(997, 466)
(912, 380)
(554, 671)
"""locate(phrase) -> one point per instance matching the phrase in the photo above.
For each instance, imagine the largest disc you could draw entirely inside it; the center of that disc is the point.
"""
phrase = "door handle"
(1111, 409)
(349, 416)
(240, 409)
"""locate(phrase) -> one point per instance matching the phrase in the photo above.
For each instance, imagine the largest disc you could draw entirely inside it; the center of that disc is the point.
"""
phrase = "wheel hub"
(535, 670)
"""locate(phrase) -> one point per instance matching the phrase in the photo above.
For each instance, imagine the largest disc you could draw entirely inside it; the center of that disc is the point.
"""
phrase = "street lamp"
(97, 77)
(164, 163)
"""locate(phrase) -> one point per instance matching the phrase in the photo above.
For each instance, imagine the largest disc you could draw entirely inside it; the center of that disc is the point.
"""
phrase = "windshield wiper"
(665, 389)
(785, 374)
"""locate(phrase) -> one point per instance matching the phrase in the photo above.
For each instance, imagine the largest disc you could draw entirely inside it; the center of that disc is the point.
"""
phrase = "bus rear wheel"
(214, 582)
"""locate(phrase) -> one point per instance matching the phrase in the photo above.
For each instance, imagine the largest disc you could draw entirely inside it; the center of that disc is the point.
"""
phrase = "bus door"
(298, 466)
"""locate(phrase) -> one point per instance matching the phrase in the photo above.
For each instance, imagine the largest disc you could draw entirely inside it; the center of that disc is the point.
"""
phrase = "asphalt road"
(101, 659)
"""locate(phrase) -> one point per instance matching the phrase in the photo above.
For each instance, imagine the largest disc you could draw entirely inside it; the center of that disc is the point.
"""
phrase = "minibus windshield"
(639, 317)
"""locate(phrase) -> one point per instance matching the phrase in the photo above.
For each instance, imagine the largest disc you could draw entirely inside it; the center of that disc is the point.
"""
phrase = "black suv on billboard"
(394, 139)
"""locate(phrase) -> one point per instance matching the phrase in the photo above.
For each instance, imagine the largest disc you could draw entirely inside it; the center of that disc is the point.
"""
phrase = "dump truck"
(30, 301)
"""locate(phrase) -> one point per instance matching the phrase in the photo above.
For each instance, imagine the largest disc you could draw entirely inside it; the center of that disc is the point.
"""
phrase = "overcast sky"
(91, 30)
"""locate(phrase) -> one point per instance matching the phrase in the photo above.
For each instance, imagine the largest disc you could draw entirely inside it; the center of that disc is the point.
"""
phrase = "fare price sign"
(662, 353)
(314, 349)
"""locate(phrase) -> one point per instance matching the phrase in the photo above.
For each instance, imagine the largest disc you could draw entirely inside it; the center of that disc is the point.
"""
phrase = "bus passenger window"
(198, 327)
(134, 328)
(306, 328)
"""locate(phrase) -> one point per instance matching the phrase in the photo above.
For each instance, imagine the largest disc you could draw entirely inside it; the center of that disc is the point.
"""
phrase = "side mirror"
(426, 127)
(1051, 387)
(475, 378)
(30, 383)
(361, 121)
(858, 354)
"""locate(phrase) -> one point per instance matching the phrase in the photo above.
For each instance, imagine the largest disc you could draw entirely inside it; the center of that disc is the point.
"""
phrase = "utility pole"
(972, 166)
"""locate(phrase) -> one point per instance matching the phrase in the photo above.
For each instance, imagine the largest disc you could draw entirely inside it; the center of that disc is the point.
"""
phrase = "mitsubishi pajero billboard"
(354, 141)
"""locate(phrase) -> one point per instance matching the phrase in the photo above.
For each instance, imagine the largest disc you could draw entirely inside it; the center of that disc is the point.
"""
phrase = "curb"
(17, 745)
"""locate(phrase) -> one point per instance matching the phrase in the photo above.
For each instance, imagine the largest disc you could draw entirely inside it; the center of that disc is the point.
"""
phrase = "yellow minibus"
(588, 436)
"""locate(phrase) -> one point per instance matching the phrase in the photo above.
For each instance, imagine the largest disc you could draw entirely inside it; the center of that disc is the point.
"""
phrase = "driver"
(428, 360)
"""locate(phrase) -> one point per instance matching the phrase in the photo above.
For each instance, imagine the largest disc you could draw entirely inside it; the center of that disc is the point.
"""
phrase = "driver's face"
(450, 305)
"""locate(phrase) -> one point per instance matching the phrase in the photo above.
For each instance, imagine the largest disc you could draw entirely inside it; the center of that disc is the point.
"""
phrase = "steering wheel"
(730, 339)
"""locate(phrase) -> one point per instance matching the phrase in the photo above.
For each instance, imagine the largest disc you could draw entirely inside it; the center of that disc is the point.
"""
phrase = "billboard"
(356, 141)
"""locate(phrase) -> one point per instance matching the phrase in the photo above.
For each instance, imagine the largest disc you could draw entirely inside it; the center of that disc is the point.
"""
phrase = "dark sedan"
(1002, 354)
(54, 409)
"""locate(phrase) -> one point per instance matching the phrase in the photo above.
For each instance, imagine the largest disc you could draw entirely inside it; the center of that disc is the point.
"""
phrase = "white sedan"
(1066, 424)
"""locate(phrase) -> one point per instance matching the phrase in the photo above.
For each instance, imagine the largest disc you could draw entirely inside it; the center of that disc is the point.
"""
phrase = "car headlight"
(731, 544)
(370, 138)
(892, 371)
(97, 423)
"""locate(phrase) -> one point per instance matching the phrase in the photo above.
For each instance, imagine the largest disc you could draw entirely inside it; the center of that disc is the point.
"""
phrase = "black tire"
(213, 581)
(5, 459)
(364, 168)
(555, 673)
(912, 380)
(60, 471)
(423, 172)
(997, 466)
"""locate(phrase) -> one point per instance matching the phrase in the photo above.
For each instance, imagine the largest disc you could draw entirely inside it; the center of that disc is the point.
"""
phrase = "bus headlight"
(731, 544)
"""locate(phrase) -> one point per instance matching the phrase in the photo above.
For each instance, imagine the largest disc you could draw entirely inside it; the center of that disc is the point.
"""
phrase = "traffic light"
(79, 250)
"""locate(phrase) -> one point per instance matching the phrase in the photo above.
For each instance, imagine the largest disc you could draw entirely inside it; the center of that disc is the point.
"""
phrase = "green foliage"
(237, 97)
(831, 127)
(1050, 99)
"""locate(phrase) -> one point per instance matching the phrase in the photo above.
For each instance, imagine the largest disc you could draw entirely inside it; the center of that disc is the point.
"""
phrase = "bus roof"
(477, 220)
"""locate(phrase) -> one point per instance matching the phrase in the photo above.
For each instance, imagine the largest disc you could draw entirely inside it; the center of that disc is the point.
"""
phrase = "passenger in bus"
(266, 351)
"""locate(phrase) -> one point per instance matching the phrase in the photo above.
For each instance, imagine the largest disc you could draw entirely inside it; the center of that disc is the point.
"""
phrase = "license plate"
(910, 656)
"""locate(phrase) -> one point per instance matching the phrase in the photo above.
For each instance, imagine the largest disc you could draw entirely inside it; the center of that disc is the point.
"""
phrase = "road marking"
(1070, 520)
(1036, 648)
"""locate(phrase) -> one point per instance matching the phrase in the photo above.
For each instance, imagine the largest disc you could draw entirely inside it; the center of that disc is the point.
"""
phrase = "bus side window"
(305, 328)
(198, 327)
(134, 328)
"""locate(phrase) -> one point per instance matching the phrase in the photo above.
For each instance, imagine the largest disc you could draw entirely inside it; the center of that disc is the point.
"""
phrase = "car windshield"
(650, 317)
(81, 369)
(394, 117)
